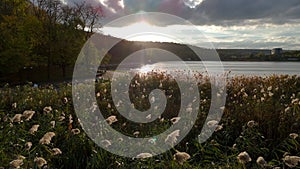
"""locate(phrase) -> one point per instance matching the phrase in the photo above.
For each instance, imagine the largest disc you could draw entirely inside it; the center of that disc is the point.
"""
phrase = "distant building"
(276, 51)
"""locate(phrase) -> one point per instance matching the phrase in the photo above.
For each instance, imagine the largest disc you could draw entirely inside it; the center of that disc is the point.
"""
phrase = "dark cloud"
(217, 12)
(234, 11)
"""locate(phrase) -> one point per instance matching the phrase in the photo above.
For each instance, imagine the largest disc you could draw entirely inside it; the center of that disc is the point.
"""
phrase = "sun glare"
(149, 33)
(145, 69)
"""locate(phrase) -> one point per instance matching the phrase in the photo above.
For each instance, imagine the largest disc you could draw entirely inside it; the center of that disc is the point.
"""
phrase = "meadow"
(259, 127)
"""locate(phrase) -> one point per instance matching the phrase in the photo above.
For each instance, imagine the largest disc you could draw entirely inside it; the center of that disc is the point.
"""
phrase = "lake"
(235, 67)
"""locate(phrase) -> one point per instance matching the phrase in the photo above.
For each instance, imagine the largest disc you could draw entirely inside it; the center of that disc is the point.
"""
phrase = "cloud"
(207, 12)
(235, 11)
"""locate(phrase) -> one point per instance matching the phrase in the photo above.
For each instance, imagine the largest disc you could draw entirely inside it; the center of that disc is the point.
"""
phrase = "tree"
(89, 17)
(14, 36)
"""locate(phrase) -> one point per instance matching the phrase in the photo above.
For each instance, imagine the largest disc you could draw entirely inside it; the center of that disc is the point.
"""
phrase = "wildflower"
(189, 110)
(111, 119)
(34, 129)
(28, 145)
(287, 109)
(40, 161)
(16, 163)
(261, 161)
(56, 151)
(245, 95)
(61, 118)
(294, 135)
(291, 161)
(106, 143)
(212, 123)
(144, 155)
(251, 123)
(234, 146)
(14, 105)
(120, 139)
(270, 88)
(65, 100)
(52, 123)
(46, 139)
(242, 90)
(70, 119)
(175, 120)
(75, 131)
(172, 138)
(271, 94)
(98, 94)
(20, 157)
(219, 127)
(17, 118)
(152, 140)
(295, 101)
(137, 133)
(149, 117)
(28, 114)
(47, 109)
(181, 157)
(244, 157)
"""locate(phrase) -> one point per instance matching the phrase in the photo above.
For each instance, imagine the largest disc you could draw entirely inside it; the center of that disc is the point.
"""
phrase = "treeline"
(43, 34)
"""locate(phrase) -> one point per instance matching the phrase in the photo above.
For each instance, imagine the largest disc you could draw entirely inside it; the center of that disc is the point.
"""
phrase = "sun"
(149, 33)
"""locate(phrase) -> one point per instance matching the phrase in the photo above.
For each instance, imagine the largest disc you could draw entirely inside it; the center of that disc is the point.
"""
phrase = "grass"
(259, 116)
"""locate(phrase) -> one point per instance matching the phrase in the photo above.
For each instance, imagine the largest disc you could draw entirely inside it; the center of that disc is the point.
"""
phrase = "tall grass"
(259, 117)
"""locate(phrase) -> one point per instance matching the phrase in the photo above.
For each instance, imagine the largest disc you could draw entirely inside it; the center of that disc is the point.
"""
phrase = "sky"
(261, 24)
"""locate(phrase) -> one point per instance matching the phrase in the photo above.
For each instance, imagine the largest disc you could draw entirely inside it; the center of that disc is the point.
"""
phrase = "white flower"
(75, 131)
(65, 100)
(47, 109)
(111, 119)
(61, 118)
(291, 161)
(28, 114)
(271, 94)
(149, 117)
(175, 120)
(106, 143)
(172, 138)
(14, 105)
(46, 139)
(261, 161)
(219, 127)
(34, 129)
(17, 118)
(16, 163)
(270, 88)
(137, 133)
(294, 135)
(144, 155)
(212, 123)
(40, 161)
(152, 140)
(28, 145)
(244, 157)
(251, 123)
(189, 110)
(52, 123)
(56, 151)
(181, 157)
(70, 119)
